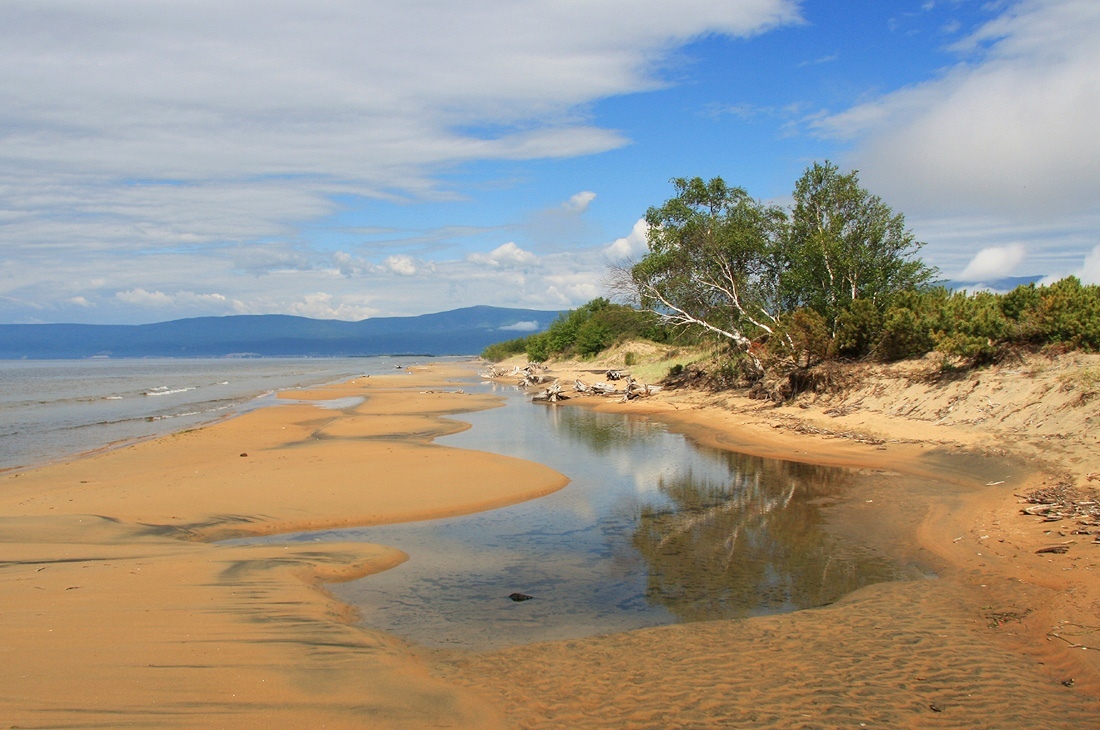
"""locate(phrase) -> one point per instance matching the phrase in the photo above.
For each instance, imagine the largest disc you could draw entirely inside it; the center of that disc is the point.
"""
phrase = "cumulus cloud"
(1089, 273)
(1010, 130)
(508, 254)
(403, 265)
(579, 203)
(993, 262)
(632, 245)
(322, 305)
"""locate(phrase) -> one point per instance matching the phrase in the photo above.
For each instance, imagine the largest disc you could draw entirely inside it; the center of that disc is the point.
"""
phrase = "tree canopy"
(741, 269)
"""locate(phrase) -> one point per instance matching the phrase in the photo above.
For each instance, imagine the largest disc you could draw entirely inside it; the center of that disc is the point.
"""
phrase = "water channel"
(651, 530)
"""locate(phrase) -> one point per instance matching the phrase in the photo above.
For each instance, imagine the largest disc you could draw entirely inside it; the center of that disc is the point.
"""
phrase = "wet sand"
(115, 612)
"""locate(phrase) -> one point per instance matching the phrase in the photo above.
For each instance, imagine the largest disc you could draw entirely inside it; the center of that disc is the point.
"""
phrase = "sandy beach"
(117, 610)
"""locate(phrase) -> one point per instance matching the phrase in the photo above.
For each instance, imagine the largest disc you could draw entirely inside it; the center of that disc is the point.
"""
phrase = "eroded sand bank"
(113, 614)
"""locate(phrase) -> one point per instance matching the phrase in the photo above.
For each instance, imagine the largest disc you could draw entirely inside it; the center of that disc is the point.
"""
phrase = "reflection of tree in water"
(751, 544)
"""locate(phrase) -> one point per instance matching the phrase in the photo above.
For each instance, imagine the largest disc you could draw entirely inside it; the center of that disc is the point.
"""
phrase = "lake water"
(651, 530)
(55, 409)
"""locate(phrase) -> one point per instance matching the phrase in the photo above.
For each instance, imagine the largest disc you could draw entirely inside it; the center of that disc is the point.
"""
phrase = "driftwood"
(634, 389)
(552, 394)
(615, 375)
(1064, 502)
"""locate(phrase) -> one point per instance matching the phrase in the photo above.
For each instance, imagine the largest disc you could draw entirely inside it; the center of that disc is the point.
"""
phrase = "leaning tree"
(714, 261)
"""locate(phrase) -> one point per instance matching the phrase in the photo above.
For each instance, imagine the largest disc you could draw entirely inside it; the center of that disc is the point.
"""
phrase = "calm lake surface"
(652, 530)
(56, 409)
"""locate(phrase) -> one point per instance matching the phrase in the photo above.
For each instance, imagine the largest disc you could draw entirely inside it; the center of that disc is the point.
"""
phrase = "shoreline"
(1027, 609)
(116, 608)
(123, 643)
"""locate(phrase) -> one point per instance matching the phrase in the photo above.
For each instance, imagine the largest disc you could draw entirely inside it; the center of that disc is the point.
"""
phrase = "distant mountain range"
(1002, 284)
(458, 332)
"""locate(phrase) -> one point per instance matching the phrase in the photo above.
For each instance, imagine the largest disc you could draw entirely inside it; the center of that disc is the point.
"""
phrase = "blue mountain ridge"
(464, 331)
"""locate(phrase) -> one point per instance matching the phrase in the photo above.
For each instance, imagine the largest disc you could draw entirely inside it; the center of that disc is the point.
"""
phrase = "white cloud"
(275, 108)
(993, 262)
(632, 245)
(579, 203)
(526, 326)
(209, 136)
(1008, 131)
(508, 254)
(322, 305)
(403, 265)
(1089, 273)
(143, 298)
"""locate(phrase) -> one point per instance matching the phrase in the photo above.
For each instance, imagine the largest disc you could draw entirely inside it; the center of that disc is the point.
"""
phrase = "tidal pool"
(651, 530)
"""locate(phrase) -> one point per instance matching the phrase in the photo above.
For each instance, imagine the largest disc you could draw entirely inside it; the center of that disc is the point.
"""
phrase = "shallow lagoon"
(651, 530)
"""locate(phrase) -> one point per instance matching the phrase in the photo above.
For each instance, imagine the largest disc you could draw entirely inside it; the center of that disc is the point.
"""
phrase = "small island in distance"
(465, 331)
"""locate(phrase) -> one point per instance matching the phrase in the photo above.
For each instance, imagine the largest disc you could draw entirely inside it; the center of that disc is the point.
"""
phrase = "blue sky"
(350, 158)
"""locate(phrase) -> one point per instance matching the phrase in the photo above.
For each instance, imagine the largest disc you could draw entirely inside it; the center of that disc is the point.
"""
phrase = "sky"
(345, 159)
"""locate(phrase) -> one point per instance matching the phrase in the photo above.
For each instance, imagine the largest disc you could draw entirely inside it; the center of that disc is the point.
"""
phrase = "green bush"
(802, 336)
(909, 323)
(857, 329)
(504, 350)
(593, 337)
(538, 347)
(1069, 313)
(974, 327)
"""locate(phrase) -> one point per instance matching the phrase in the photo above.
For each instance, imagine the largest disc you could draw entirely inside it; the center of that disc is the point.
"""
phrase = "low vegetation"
(587, 331)
(834, 278)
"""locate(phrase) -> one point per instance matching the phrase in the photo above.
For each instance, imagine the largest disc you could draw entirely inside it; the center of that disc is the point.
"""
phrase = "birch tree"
(714, 261)
(845, 244)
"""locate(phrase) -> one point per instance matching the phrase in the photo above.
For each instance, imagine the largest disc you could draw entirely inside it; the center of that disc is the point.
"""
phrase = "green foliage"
(836, 275)
(585, 331)
(803, 337)
(1069, 313)
(504, 350)
(538, 347)
(857, 328)
(714, 259)
(973, 327)
(723, 262)
(844, 244)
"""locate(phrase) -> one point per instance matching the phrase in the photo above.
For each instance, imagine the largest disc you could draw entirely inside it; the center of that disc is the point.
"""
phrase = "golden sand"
(116, 610)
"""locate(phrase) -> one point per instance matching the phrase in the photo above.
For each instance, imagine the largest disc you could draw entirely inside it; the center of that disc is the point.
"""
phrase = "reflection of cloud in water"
(651, 530)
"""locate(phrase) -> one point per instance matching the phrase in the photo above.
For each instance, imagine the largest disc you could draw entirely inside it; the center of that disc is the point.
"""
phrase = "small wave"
(164, 390)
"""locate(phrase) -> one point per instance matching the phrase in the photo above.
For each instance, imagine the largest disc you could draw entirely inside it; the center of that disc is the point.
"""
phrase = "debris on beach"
(1063, 502)
(632, 390)
(552, 394)
(517, 597)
